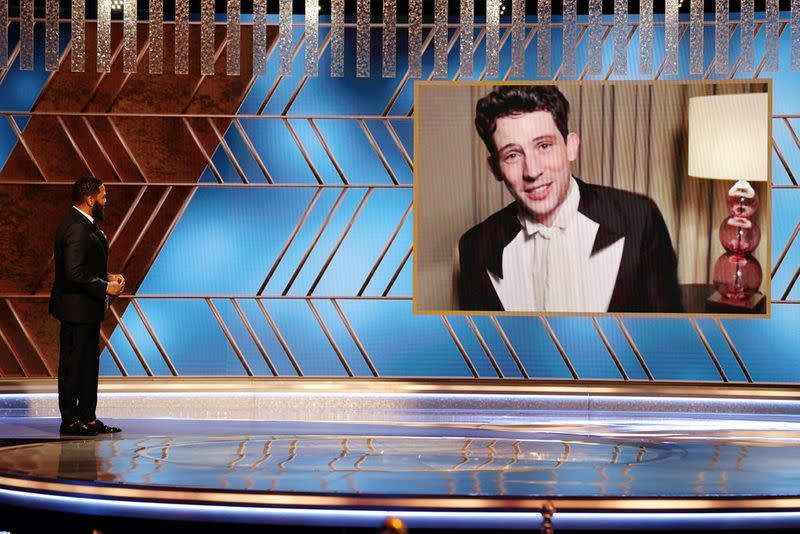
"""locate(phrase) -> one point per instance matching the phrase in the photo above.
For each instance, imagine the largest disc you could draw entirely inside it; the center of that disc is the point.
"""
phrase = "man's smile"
(538, 192)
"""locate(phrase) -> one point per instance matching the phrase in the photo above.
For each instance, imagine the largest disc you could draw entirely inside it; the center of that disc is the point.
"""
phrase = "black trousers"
(78, 368)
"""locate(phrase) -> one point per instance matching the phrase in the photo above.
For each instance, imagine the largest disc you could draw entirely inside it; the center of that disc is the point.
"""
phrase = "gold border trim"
(767, 203)
(443, 386)
(166, 495)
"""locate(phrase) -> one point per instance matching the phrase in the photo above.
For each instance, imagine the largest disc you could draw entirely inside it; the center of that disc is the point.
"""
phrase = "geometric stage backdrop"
(265, 226)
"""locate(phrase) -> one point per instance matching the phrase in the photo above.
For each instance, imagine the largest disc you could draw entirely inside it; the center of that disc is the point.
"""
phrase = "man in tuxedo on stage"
(564, 245)
(81, 289)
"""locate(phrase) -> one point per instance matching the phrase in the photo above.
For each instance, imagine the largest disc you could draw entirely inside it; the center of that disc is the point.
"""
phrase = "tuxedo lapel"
(481, 252)
(93, 230)
(508, 228)
(611, 229)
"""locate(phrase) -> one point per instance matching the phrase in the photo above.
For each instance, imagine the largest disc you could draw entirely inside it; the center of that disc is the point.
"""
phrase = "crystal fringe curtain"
(570, 31)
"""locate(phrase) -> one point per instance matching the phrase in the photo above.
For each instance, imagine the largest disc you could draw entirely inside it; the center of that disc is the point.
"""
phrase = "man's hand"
(118, 278)
(115, 288)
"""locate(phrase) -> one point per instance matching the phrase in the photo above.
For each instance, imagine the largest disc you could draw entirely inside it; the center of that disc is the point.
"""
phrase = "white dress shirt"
(91, 219)
(552, 268)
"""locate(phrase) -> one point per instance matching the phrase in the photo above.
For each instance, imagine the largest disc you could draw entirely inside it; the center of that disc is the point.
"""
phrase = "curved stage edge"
(611, 456)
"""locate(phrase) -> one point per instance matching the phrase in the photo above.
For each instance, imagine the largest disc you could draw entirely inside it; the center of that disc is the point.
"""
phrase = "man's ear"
(493, 168)
(573, 146)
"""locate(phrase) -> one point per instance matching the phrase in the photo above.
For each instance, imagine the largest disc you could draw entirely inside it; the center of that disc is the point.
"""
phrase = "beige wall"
(633, 137)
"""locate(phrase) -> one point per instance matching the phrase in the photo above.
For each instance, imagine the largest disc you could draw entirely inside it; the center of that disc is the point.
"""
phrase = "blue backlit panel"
(469, 341)
(240, 333)
(305, 338)
(429, 352)
(770, 349)
(364, 243)
(622, 348)
(326, 244)
(722, 350)
(585, 347)
(392, 260)
(279, 152)
(352, 148)
(226, 241)
(344, 340)
(785, 220)
(491, 336)
(672, 350)
(293, 260)
(535, 347)
(269, 339)
(191, 337)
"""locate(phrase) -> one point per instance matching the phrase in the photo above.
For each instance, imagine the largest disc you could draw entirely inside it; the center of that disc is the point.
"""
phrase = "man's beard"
(97, 212)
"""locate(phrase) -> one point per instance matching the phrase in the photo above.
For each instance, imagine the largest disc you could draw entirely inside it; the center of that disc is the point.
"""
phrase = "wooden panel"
(89, 150)
(27, 227)
(28, 357)
(42, 328)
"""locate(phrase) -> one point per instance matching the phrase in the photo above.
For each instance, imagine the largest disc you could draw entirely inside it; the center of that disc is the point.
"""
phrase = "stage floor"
(351, 474)
(438, 459)
(550, 457)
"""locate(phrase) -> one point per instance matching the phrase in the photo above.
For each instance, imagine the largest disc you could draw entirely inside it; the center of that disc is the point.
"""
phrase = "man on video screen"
(564, 245)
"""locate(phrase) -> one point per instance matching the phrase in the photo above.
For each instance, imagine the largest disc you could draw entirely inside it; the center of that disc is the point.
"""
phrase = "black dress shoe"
(76, 428)
(101, 428)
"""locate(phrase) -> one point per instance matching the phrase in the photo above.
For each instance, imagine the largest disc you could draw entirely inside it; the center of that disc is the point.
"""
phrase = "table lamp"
(729, 140)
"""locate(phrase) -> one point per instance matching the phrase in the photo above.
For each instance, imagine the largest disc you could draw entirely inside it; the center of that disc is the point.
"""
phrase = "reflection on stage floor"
(551, 458)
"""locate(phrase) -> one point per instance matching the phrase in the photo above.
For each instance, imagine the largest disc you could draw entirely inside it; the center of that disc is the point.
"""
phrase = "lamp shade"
(729, 137)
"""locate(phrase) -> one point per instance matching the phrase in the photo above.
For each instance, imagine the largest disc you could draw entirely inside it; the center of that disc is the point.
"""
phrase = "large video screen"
(592, 197)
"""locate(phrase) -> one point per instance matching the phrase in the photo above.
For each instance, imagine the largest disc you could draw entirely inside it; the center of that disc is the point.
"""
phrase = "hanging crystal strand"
(26, 34)
(440, 41)
(130, 50)
(156, 27)
(233, 38)
(596, 31)
(51, 35)
(621, 37)
(466, 38)
(671, 37)
(721, 37)
(362, 38)
(312, 37)
(544, 11)
(337, 38)
(773, 24)
(181, 36)
(259, 37)
(646, 37)
(104, 36)
(389, 35)
(4, 33)
(696, 30)
(795, 35)
(415, 38)
(747, 32)
(285, 37)
(570, 33)
(492, 37)
(517, 38)
(207, 37)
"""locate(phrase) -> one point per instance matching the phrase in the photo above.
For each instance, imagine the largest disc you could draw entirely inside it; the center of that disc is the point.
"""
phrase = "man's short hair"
(85, 187)
(507, 100)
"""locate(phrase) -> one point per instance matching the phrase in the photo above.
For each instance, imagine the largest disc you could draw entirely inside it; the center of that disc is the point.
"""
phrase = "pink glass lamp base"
(737, 274)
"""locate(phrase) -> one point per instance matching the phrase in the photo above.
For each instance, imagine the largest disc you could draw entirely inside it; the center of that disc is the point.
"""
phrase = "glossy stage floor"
(438, 455)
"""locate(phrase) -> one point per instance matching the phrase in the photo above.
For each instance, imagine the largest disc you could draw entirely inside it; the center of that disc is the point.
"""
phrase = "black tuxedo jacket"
(647, 279)
(81, 268)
